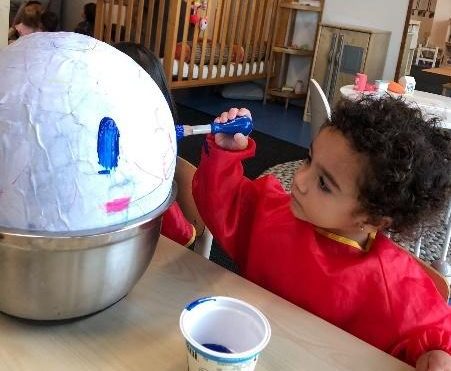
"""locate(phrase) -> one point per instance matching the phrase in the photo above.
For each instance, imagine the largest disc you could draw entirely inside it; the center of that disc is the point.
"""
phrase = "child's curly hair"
(408, 175)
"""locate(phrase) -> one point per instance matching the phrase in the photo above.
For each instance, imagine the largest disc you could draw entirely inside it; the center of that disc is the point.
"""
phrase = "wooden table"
(444, 71)
(141, 332)
(431, 104)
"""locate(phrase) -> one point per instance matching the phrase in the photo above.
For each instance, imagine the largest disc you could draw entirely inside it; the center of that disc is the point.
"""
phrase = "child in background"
(30, 8)
(49, 21)
(86, 27)
(376, 165)
(29, 20)
(174, 224)
(33, 18)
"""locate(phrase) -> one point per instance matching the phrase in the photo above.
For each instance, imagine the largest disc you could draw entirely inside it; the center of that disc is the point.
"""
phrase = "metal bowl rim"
(96, 231)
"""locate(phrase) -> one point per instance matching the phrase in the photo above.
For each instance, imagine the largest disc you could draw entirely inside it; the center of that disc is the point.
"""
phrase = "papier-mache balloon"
(87, 138)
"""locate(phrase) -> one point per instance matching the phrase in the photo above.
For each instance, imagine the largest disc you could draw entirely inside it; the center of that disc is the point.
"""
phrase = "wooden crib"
(235, 45)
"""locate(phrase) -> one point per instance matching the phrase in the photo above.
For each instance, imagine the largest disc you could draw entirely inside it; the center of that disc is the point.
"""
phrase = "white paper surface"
(55, 89)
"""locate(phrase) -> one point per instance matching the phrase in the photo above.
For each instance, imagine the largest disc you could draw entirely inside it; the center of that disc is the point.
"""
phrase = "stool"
(446, 89)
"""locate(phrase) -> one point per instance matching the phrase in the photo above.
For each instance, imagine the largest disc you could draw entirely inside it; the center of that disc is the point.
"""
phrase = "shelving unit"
(410, 46)
(282, 48)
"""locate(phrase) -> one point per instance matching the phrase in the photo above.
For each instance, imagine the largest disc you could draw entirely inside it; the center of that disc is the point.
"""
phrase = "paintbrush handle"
(241, 124)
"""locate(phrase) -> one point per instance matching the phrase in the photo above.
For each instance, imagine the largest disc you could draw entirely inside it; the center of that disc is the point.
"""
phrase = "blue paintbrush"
(242, 124)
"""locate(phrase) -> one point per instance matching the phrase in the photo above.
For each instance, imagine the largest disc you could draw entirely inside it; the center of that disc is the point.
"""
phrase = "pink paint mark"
(117, 205)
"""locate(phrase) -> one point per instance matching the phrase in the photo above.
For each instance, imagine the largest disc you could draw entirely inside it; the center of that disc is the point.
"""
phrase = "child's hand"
(239, 141)
(435, 360)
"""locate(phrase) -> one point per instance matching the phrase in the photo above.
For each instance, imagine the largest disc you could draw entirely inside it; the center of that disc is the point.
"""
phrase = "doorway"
(427, 24)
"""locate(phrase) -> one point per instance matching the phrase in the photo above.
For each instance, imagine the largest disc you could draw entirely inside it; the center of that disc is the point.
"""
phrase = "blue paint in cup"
(223, 332)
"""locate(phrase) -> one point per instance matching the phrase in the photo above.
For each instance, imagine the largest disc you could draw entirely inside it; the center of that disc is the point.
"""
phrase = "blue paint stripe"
(179, 132)
(195, 303)
(220, 359)
(108, 144)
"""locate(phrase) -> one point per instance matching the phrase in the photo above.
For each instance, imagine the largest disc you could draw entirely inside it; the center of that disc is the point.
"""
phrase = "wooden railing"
(234, 47)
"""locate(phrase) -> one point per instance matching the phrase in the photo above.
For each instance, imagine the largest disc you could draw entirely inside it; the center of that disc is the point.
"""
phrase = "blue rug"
(271, 118)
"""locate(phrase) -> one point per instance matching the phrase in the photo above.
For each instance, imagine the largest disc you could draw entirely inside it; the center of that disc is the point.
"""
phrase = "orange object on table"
(396, 88)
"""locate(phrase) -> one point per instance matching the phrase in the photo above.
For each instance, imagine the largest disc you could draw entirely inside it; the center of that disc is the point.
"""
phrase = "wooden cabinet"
(341, 52)
(283, 49)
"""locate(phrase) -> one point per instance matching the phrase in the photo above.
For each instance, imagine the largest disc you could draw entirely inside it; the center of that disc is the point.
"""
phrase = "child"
(86, 27)
(174, 224)
(49, 21)
(29, 20)
(29, 10)
(376, 165)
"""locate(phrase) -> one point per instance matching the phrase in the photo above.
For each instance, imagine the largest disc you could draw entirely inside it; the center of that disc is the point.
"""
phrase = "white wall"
(4, 22)
(387, 15)
(440, 23)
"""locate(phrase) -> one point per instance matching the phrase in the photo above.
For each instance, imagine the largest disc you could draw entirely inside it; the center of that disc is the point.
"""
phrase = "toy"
(185, 49)
(203, 23)
(88, 139)
(360, 81)
(395, 87)
(194, 16)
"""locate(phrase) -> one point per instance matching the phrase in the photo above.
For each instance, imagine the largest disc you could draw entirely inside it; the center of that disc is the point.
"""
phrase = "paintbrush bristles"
(187, 130)
(182, 131)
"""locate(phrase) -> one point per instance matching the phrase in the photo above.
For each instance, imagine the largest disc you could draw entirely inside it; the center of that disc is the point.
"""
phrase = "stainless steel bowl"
(54, 276)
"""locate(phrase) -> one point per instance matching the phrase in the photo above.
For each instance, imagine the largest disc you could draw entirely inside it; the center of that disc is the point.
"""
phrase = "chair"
(184, 172)
(320, 109)
(439, 270)
(438, 277)
(439, 280)
(427, 54)
(442, 264)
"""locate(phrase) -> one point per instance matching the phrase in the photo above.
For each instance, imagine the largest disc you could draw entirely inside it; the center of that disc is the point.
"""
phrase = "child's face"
(325, 187)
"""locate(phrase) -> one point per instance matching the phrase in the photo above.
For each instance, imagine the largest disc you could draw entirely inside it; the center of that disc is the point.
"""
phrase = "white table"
(141, 332)
(431, 104)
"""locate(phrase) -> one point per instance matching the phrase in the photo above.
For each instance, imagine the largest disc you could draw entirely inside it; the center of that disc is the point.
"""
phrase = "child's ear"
(379, 224)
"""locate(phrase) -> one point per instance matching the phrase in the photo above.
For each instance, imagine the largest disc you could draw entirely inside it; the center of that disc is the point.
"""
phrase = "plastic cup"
(360, 81)
(381, 85)
(223, 333)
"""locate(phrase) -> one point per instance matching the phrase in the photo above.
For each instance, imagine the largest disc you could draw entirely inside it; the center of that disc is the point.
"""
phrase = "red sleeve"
(224, 197)
(422, 317)
(175, 226)
(422, 341)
